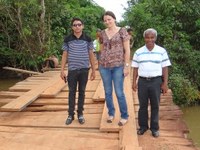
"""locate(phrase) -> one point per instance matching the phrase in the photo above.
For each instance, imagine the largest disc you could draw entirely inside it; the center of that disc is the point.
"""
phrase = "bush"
(184, 93)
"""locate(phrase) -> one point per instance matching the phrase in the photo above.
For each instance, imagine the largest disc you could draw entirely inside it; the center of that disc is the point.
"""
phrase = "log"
(21, 70)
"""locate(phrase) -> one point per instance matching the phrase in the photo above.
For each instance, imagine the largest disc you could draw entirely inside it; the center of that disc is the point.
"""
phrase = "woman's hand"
(126, 71)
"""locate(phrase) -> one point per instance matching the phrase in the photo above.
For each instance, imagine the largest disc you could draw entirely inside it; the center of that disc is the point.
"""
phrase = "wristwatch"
(127, 65)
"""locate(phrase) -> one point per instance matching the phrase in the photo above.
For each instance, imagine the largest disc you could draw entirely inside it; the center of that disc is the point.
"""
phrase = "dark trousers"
(80, 78)
(149, 90)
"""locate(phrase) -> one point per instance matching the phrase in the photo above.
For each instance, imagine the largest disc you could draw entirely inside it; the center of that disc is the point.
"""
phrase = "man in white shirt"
(150, 63)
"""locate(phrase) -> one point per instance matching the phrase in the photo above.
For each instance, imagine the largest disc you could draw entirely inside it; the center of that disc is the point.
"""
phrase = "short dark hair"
(109, 13)
(76, 19)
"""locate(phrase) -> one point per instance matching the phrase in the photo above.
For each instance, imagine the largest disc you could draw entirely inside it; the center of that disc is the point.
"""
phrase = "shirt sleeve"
(65, 47)
(165, 60)
(90, 45)
(135, 61)
(124, 34)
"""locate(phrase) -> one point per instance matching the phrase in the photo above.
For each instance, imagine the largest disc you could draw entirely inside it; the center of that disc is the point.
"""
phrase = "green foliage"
(178, 26)
(31, 32)
(184, 93)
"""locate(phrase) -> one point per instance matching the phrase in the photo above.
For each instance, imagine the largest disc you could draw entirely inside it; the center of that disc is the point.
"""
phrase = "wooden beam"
(21, 70)
(128, 139)
(27, 98)
(104, 126)
(99, 93)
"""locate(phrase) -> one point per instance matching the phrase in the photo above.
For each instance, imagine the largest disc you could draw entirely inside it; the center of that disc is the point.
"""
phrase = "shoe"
(155, 133)
(122, 122)
(69, 120)
(141, 131)
(110, 119)
(81, 119)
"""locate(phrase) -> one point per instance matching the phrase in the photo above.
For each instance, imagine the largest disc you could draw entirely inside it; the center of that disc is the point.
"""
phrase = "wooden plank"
(128, 139)
(10, 94)
(166, 133)
(65, 107)
(62, 94)
(173, 125)
(99, 94)
(54, 89)
(27, 98)
(5, 100)
(39, 139)
(104, 126)
(166, 115)
(57, 101)
(92, 85)
(178, 141)
(47, 119)
(89, 110)
(21, 70)
(129, 147)
(162, 108)
(22, 88)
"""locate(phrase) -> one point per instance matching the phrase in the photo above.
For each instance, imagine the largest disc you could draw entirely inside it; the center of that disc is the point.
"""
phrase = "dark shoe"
(69, 120)
(155, 133)
(81, 119)
(141, 131)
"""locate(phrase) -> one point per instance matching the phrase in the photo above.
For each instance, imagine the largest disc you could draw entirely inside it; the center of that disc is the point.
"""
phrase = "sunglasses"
(77, 25)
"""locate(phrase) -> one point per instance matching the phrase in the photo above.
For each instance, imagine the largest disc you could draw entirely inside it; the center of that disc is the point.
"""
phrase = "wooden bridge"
(33, 114)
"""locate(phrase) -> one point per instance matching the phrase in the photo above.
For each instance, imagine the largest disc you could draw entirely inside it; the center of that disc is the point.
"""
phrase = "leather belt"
(149, 78)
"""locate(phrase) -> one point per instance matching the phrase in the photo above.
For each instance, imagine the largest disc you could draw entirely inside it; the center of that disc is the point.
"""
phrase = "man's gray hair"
(150, 30)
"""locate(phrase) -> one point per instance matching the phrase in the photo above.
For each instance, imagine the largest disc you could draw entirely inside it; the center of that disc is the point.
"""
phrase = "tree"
(177, 23)
(32, 30)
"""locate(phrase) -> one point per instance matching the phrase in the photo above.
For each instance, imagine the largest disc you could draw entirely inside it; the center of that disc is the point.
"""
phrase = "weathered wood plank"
(62, 95)
(21, 70)
(104, 126)
(60, 108)
(92, 85)
(166, 115)
(58, 101)
(99, 93)
(54, 89)
(38, 139)
(9, 94)
(129, 139)
(47, 119)
(21, 102)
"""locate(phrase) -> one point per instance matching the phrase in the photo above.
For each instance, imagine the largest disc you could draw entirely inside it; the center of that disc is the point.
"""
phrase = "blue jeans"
(114, 76)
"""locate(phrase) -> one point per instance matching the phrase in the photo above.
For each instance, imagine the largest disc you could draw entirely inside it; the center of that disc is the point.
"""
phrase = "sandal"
(122, 122)
(110, 119)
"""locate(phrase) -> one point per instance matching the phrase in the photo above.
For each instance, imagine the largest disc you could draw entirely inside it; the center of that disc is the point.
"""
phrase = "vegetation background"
(32, 30)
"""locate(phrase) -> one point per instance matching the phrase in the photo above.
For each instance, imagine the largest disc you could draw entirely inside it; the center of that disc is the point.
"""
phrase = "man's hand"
(63, 76)
(92, 75)
(164, 88)
(134, 87)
